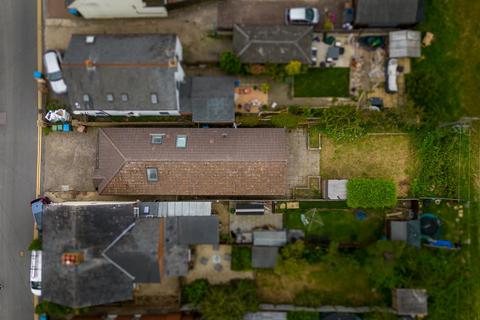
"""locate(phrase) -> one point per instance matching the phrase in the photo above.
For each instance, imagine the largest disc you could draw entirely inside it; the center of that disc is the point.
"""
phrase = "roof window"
(109, 97)
(181, 141)
(152, 174)
(153, 98)
(124, 97)
(157, 138)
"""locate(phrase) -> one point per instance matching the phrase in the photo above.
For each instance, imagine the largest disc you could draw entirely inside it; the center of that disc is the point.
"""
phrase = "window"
(153, 98)
(124, 97)
(157, 138)
(181, 141)
(109, 97)
(152, 174)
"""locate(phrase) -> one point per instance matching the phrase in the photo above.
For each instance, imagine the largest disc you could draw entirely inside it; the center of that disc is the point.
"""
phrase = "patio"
(250, 99)
(214, 264)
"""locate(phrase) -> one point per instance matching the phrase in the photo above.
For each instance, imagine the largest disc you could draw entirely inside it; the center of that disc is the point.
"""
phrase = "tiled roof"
(215, 162)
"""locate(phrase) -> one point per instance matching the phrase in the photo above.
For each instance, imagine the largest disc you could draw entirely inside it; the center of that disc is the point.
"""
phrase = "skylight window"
(181, 141)
(157, 138)
(152, 174)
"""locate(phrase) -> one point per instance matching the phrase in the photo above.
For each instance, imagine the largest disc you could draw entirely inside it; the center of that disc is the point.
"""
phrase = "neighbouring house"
(410, 302)
(124, 75)
(94, 253)
(408, 231)
(273, 44)
(388, 13)
(209, 99)
(192, 162)
(104, 9)
(335, 189)
(405, 44)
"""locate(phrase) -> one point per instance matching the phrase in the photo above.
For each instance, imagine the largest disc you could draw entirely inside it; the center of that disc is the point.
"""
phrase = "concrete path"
(302, 162)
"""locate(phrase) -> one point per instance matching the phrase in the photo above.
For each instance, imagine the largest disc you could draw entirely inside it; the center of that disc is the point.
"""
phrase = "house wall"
(98, 9)
(104, 113)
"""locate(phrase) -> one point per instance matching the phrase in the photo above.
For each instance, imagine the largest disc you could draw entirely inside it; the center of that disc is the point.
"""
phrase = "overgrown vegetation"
(287, 120)
(35, 245)
(316, 82)
(302, 315)
(241, 258)
(293, 68)
(231, 63)
(371, 193)
(57, 310)
(222, 302)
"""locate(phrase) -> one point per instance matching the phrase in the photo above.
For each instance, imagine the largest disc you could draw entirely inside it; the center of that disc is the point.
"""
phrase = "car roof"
(51, 62)
(298, 13)
(59, 86)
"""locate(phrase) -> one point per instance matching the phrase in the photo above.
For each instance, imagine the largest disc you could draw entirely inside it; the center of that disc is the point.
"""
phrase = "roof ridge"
(107, 180)
(118, 238)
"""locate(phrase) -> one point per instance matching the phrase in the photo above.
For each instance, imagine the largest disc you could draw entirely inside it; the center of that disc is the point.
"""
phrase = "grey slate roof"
(180, 232)
(273, 44)
(388, 13)
(264, 257)
(91, 228)
(269, 238)
(410, 302)
(210, 99)
(137, 65)
(408, 231)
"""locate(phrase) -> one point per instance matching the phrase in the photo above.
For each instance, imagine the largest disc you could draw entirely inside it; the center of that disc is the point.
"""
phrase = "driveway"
(70, 160)
(268, 12)
(193, 25)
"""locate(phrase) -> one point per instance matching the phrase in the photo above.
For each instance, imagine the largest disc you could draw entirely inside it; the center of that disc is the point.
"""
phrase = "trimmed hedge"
(371, 193)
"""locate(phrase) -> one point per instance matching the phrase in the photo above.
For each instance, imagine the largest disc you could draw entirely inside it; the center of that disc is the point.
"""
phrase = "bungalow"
(192, 162)
(124, 75)
(387, 13)
(95, 253)
(273, 44)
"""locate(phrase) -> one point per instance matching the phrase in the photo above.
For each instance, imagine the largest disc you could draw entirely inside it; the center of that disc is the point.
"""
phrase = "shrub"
(276, 71)
(229, 302)
(286, 120)
(36, 244)
(231, 63)
(195, 291)
(265, 87)
(293, 68)
(302, 315)
(57, 310)
(371, 193)
(241, 258)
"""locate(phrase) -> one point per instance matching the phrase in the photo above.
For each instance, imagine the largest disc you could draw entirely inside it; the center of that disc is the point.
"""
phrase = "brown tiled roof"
(227, 161)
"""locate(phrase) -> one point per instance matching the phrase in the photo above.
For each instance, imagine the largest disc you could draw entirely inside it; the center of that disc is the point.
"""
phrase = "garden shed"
(410, 302)
(408, 231)
(269, 238)
(264, 257)
(405, 44)
(335, 189)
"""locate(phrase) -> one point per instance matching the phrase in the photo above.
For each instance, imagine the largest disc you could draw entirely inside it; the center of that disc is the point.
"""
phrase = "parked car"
(391, 75)
(306, 15)
(52, 60)
(36, 273)
(37, 206)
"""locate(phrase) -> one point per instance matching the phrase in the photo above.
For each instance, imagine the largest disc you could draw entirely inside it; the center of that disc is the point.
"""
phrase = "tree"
(293, 68)
(231, 63)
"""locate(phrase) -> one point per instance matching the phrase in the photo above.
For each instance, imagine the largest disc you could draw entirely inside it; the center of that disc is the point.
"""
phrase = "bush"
(230, 302)
(195, 291)
(302, 315)
(276, 71)
(57, 310)
(293, 68)
(287, 120)
(36, 244)
(241, 258)
(371, 193)
(231, 63)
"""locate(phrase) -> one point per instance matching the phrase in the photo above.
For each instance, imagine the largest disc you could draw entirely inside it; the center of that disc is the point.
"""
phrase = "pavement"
(18, 141)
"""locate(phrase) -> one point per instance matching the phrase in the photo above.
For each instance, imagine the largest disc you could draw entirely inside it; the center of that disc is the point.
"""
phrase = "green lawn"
(339, 225)
(331, 82)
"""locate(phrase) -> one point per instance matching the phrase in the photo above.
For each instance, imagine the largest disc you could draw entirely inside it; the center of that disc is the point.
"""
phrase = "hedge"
(371, 193)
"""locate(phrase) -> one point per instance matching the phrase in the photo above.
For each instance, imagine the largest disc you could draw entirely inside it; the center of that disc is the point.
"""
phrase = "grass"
(313, 137)
(373, 156)
(331, 82)
(241, 258)
(339, 225)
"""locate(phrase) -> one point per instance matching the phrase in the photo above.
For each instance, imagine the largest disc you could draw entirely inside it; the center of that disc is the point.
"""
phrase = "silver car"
(52, 62)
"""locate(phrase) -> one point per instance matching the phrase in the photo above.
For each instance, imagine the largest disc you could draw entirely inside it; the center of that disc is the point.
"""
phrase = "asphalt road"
(18, 142)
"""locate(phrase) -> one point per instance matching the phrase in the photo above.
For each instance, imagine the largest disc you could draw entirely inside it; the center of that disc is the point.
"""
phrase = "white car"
(306, 15)
(36, 273)
(52, 61)
(391, 83)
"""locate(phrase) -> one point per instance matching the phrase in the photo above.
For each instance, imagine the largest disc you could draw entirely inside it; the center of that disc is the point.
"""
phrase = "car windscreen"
(54, 76)
(309, 14)
(36, 285)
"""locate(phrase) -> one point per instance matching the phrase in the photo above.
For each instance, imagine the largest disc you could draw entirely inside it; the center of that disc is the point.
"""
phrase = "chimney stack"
(89, 65)
(72, 258)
